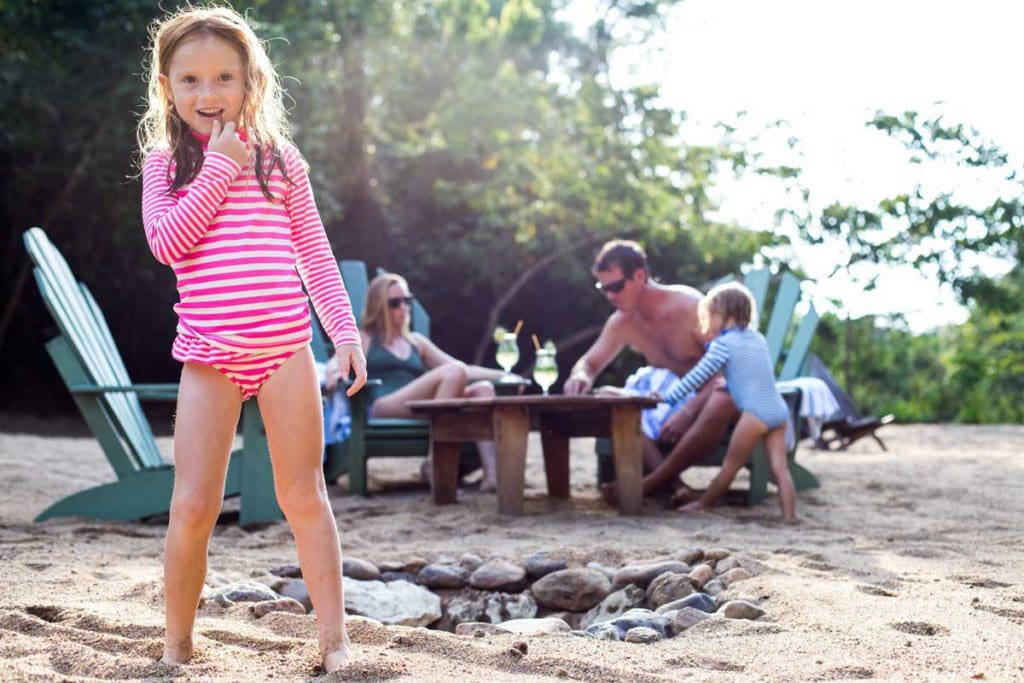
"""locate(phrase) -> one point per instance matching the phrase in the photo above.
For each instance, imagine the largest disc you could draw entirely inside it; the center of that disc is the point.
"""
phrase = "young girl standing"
(227, 204)
(726, 314)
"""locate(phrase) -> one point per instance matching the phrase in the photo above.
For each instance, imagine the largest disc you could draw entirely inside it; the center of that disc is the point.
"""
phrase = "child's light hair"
(376, 316)
(733, 301)
(263, 113)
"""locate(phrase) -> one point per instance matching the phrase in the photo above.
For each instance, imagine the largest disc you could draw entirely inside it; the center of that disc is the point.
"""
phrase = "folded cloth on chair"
(649, 380)
(817, 404)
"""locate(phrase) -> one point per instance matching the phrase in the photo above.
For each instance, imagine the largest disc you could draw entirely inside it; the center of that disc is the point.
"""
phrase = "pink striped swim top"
(238, 257)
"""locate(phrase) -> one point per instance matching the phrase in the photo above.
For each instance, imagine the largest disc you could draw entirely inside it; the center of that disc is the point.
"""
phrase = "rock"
(470, 561)
(713, 587)
(522, 646)
(535, 627)
(603, 568)
(397, 602)
(702, 573)
(642, 634)
(574, 590)
(242, 591)
(288, 571)
(216, 580)
(685, 618)
(690, 556)
(615, 605)
(701, 601)
(472, 628)
(391, 566)
(668, 587)
(571, 618)
(740, 609)
(722, 566)
(542, 564)
(414, 565)
(716, 554)
(296, 590)
(499, 575)
(261, 609)
(272, 582)
(355, 568)
(465, 608)
(642, 574)
(443, 576)
(734, 575)
(387, 577)
(501, 607)
(616, 629)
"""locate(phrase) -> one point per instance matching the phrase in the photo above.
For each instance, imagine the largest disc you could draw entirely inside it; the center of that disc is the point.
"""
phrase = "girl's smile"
(205, 82)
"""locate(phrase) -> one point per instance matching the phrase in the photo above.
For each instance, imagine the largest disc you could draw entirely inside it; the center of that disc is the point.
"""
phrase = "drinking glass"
(545, 371)
(507, 354)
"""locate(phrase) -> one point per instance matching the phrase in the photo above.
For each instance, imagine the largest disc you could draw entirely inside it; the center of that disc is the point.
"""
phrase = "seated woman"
(412, 367)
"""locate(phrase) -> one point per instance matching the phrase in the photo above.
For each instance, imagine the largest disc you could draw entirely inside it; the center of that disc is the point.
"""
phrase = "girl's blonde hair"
(263, 113)
(732, 300)
(377, 321)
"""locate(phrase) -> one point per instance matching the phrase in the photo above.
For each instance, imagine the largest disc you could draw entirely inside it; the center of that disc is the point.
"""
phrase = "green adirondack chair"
(789, 342)
(90, 364)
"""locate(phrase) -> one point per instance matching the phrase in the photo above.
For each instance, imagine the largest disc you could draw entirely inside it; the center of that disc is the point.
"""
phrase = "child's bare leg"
(744, 437)
(775, 445)
(207, 416)
(290, 405)
(488, 450)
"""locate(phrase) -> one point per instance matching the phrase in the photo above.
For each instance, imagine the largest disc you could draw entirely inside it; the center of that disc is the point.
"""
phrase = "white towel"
(817, 404)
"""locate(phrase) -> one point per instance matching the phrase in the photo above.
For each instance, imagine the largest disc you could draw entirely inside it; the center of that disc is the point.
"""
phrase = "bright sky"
(826, 67)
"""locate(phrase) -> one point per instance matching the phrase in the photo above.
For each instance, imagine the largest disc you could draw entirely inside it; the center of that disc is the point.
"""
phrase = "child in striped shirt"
(227, 204)
(728, 314)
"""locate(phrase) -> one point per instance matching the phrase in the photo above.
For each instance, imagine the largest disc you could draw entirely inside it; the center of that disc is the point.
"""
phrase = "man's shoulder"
(682, 292)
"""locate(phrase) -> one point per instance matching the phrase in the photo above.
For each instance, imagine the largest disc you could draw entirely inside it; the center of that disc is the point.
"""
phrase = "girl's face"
(399, 302)
(205, 82)
(716, 323)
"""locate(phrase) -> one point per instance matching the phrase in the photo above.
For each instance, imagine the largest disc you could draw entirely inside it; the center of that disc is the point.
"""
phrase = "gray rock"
(391, 566)
(542, 564)
(616, 629)
(216, 580)
(734, 575)
(685, 618)
(603, 568)
(535, 627)
(701, 601)
(443, 576)
(713, 587)
(499, 575)
(571, 618)
(716, 554)
(242, 591)
(642, 574)
(642, 634)
(724, 565)
(575, 590)
(613, 606)
(355, 568)
(668, 587)
(296, 590)
(465, 608)
(387, 577)
(502, 607)
(288, 571)
(470, 561)
(415, 564)
(397, 602)
(261, 609)
(702, 573)
(473, 628)
(690, 556)
(740, 609)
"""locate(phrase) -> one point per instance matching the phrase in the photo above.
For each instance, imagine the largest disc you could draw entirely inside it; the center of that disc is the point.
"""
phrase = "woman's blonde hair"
(732, 300)
(263, 113)
(376, 319)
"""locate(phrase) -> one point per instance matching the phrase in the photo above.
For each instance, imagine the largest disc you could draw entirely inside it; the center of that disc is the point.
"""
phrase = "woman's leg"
(488, 449)
(204, 429)
(290, 404)
(444, 381)
(775, 445)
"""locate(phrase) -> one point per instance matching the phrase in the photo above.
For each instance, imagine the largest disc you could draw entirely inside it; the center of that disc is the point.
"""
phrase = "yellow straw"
(519, 326)
(536, 343)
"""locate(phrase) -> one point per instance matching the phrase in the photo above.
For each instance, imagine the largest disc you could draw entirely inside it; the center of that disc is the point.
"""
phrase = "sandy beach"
(906, 565)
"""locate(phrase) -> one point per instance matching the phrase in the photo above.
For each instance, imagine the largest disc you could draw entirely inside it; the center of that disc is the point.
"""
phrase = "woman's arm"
(433, 356)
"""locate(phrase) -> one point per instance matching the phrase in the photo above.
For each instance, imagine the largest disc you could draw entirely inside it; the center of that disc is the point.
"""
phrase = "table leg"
(444, 480)
(511, 427)
(556, 457)
(627, 442)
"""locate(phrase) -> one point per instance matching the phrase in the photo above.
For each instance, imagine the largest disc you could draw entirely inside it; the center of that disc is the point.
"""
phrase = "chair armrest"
(152, 392)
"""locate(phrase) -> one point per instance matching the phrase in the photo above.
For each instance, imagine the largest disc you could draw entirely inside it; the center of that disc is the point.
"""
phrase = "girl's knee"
(302, 499)
(195, 509)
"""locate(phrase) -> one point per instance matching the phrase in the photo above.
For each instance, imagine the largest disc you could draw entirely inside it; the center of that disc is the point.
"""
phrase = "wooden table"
(507, 420)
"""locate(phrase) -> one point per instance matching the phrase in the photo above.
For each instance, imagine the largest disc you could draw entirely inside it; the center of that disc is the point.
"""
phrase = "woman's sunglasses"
(613, 287)
(396, 301)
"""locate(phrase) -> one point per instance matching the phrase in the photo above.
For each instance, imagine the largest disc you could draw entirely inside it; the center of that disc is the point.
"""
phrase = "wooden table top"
(533, 401)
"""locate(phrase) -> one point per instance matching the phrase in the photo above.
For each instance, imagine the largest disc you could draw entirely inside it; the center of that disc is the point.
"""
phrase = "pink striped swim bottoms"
(247, 371)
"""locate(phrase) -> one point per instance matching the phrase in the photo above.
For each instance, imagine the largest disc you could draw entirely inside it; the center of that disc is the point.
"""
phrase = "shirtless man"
(660, 322)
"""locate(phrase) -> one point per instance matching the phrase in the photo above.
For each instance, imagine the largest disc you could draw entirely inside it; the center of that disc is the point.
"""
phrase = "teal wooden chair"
(789, 342)
(90, 364)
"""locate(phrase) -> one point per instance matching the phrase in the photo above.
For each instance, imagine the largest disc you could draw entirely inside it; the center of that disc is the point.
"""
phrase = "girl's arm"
(714, 359)
(313, 256)
(173, 225)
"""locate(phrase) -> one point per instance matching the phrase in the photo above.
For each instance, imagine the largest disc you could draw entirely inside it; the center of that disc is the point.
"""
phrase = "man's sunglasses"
(613, 287)
(396, 301)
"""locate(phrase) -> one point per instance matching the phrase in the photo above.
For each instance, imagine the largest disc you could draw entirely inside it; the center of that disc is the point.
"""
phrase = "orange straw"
(536, 343)
(519, 326)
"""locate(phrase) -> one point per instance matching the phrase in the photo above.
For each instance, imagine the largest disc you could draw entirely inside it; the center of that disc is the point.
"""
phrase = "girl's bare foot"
(177, 653)
(335, 660)
(488, 486)
(684, 494)
(695, 506)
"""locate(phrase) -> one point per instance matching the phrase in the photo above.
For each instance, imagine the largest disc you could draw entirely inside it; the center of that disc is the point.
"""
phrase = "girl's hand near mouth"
(225, 139)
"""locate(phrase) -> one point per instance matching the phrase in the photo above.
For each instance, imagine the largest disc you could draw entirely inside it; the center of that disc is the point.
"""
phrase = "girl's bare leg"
(290, 405)
(744, 437)
(775, 445)
(444, 381)
(207, 416)
(488, 449)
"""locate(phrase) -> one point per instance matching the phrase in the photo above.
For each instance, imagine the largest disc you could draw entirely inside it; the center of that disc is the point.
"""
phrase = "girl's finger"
(215, 133)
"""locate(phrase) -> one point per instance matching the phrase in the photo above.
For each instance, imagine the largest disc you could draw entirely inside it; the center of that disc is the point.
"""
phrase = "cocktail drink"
(545, 370)
(507, 354)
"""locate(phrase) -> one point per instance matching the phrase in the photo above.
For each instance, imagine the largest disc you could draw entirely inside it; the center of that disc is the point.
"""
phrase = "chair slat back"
(786, 297)
(757, 282)
(800, 345)
(90, 338)
(846, 404)
(356, 283)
